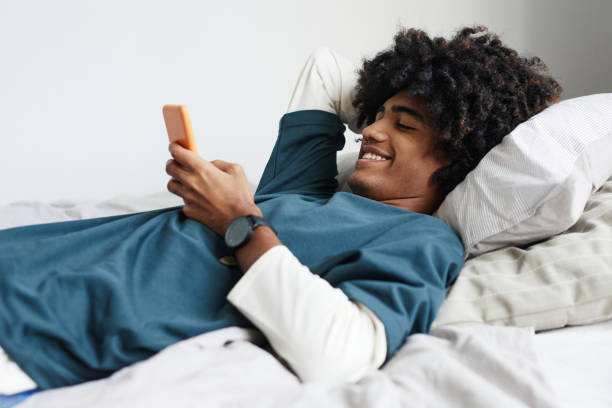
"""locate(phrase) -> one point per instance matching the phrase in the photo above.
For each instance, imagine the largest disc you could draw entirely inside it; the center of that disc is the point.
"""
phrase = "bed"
(454, 365)
(527, 323)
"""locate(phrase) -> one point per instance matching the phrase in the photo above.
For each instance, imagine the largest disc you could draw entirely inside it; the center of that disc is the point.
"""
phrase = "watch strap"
(251, 222)
(257, 221)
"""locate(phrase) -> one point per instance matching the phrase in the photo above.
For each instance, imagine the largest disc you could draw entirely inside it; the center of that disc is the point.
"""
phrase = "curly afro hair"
(475, 90)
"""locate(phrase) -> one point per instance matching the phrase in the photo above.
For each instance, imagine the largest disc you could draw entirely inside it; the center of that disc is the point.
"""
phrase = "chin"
(360, 187)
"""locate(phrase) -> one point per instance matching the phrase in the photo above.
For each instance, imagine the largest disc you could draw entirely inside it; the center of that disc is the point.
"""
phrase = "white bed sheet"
(472, 366)
(577, 361)
(453, 367)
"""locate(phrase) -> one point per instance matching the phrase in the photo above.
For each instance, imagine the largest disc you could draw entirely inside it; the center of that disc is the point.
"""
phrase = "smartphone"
(178, 126)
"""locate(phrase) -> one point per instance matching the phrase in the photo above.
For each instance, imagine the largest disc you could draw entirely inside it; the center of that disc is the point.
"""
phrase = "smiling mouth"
(370, 159)
(373, 157)
(371, 153)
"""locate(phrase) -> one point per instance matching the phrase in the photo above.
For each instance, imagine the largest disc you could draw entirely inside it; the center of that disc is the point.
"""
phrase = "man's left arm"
(314, 327)
(321, 333)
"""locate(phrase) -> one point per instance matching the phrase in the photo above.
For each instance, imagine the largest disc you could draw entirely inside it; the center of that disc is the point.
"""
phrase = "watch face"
(237, 232)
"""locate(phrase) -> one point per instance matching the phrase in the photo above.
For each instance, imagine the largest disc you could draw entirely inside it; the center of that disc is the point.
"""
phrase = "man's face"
(397, 159)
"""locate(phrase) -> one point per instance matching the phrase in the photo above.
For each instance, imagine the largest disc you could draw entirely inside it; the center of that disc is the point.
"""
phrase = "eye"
(381, 110)
(405, 127)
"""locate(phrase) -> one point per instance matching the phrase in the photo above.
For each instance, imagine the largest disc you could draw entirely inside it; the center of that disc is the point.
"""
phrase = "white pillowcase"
(535, 183)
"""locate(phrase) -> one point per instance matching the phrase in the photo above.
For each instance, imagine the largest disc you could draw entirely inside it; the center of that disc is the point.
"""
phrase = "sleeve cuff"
(251, 275)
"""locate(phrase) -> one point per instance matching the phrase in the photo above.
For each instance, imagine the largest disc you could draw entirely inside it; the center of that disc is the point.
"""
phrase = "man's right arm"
(327, 82)
(310, 134)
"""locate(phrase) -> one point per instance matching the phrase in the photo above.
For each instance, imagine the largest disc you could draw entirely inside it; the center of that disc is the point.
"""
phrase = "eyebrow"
(410, 111)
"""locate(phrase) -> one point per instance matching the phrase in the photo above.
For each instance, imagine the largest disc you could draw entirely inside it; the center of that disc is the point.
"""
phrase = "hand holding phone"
(178, 126)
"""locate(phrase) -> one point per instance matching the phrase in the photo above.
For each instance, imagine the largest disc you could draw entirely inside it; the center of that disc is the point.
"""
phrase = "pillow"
(345, 161)
(566, 280)
(535, 183)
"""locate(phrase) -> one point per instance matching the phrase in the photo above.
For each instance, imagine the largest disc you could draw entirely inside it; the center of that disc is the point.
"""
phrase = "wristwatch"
(241, 230)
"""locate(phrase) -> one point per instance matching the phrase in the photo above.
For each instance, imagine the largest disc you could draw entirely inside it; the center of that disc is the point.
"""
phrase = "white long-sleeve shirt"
(316, 328)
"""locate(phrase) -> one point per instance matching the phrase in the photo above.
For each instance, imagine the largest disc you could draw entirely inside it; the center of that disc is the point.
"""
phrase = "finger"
(174, 169)
(178, 188)
(188, 159)
(174, 186)
(184, 157)
(231, 168)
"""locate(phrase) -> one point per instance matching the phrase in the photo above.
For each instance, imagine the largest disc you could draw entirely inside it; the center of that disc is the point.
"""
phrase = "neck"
(419, 204)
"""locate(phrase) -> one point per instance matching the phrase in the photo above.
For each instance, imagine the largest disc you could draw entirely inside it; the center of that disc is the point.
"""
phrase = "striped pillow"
(536, 182)
(566, 280)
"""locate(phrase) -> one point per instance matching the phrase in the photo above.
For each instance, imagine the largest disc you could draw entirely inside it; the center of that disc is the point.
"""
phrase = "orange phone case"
(178, 126)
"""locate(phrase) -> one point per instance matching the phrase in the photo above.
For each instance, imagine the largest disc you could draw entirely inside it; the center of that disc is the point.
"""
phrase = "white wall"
(575, 39)
(83, 82)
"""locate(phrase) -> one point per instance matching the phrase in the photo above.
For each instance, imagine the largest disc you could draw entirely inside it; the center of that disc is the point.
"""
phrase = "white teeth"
(372, 156)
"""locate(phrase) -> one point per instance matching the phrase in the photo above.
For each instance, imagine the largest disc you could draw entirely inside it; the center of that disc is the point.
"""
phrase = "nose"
(375, 132)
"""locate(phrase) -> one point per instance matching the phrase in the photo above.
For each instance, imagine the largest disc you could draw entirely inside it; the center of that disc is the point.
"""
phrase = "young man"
(335, 281)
